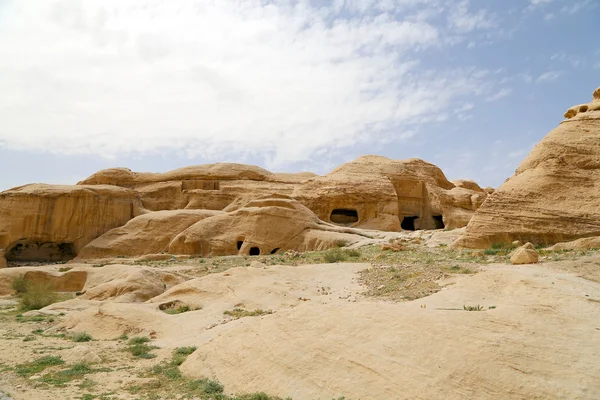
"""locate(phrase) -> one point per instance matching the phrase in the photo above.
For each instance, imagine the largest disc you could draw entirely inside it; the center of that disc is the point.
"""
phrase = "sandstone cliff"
(554, 195)
(44, 222)
(49, 222)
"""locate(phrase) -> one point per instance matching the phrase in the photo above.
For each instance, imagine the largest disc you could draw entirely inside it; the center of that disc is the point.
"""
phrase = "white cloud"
(498, 95)
(577, 6)
(463, 20)
(539, 2)
(549, 76)
(218, 78)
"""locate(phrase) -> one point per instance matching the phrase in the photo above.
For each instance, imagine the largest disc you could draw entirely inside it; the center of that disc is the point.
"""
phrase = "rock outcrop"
(52, 223)
(152, 210)
(554, 195)
(525, 254)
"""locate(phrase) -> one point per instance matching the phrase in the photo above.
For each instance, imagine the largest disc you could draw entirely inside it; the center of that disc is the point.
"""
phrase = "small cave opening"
(408, 223)
(254, 251)
(239, 244)
(37, 251)
(275, 250)
(439, 221)
(344, 216)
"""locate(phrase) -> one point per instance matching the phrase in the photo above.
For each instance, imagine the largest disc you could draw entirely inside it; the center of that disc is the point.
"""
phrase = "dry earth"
(326, 331)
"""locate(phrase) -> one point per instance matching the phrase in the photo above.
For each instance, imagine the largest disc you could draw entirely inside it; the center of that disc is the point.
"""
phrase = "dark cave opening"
(439, 221)
(37, 251)
(344, 216)
(254, 251)
(408, 223)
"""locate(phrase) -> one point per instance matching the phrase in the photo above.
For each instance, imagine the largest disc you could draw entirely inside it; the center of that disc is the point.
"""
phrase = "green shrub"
(353, 253)
(20, 284)
(81, 337)
(185, 351)
(38, 295)
(334, 255)
(138, 340)
(38, 365)
(473, 308)
(341, 243)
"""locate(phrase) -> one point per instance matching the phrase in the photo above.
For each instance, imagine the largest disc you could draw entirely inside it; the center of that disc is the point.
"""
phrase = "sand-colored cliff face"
(49, 222)
(370, 192)
(554, 195)
(45, 222)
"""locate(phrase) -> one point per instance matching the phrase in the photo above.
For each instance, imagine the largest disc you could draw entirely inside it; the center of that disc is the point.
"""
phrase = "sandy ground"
(537, 336)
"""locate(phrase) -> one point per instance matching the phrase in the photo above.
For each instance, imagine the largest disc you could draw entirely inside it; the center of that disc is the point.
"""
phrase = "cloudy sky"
(289, 85)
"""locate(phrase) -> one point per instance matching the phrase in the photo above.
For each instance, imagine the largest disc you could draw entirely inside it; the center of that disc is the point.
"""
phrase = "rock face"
(554, 195)
(48, 222)
(55, 223)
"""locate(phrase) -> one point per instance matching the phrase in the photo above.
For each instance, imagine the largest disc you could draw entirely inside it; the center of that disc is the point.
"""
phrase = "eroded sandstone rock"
(554, 195)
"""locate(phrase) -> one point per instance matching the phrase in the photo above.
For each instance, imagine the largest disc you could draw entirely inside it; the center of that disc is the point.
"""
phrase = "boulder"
(146, 234)
(525, 254)
(579, 244)
(554, 195)
(81, 354)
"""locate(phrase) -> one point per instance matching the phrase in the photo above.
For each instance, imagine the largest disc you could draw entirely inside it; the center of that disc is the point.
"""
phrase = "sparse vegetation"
(341, 243)
(38, 365)
(337, 254)
(237, 313)
(473, 308)
(77, 371)
(173, 381)
(138, 348)
(81, 337)
(36, 295)
(19, 285)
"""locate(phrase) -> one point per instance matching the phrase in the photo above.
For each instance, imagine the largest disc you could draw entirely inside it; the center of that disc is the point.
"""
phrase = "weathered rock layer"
(554, 195)
(210, 209)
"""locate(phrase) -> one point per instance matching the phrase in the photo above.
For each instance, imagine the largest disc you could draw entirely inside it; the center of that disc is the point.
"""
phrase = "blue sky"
(288, 85)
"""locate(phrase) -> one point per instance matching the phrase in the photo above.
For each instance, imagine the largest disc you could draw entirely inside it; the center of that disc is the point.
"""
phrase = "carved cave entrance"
(36, 251)
(408, 223)
(344, 216)
(439, 221)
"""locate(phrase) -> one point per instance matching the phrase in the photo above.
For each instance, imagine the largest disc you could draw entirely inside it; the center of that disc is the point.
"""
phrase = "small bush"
(20, 285)
(82, 337)
(38, 295)
(138, 340)
(353, 253)
(178, 310)
(185, 351)
(473, 308)
(341, 243)
(141, 351)
(334, 255)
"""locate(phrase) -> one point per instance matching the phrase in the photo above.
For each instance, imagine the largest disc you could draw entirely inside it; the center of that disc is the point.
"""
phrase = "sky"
(289, 85)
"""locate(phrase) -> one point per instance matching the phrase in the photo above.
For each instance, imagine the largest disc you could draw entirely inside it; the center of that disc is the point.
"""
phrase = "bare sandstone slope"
(554, 195)
(539, 341)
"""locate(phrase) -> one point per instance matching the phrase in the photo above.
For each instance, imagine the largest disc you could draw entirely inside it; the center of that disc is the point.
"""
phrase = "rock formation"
(49, 222)
(554, 195)
(117, 212)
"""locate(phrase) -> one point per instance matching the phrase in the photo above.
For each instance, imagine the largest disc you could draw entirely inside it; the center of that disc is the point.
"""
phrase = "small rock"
(478, 253)
(257, 264)
(81, 355)
(524, 255)
(517, 243)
